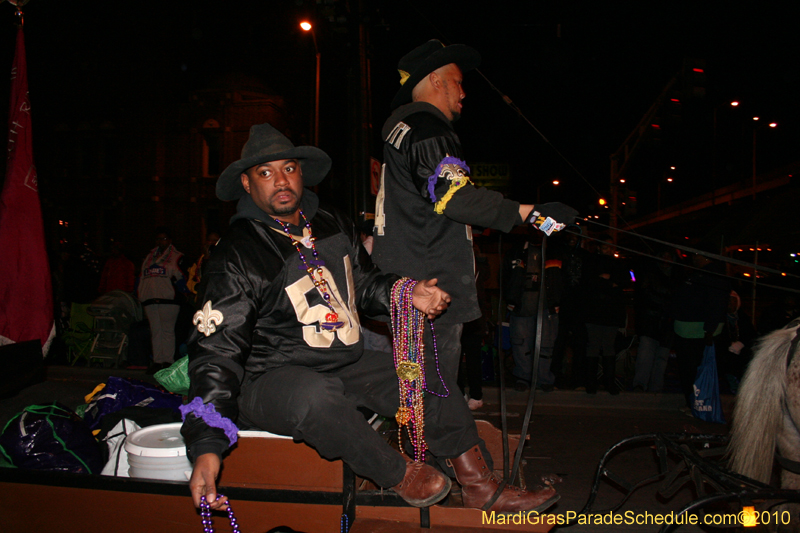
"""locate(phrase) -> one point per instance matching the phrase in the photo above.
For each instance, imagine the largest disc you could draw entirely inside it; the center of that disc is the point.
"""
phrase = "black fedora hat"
(426, 58)
(268, 144)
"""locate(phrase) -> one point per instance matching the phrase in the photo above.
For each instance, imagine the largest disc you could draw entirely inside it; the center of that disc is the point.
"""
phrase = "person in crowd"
(734, 345)
(571, 323)
(195, 272)
(375, 332)
(777, 315)
(524, 271)
(81, 273)
(605, 313)
(698, 308)
(475, 335)
(278, 344)
(162, 284)
(654, 286)
(119, 272)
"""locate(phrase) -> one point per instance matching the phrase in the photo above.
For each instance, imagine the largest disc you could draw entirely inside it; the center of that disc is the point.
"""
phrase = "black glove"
(552, 216)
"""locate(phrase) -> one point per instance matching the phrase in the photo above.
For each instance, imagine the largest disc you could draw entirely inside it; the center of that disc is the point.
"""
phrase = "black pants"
(321, 409)
(572, 332)
(450, 428)
(471, 372)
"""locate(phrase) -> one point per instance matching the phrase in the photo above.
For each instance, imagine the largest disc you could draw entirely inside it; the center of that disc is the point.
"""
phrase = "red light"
(697, 70)
(674, 100)
(656, 126)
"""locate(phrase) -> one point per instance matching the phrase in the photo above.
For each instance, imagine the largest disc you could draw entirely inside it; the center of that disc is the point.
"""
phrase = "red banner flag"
(26, 296)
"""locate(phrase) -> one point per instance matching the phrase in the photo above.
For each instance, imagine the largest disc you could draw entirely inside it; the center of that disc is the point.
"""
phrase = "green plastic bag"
(175, 378)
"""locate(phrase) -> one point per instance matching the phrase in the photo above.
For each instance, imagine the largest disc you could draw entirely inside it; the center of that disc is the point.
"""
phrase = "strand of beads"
(438, 371)
(205, 514)
(409, 361)
(314, 268)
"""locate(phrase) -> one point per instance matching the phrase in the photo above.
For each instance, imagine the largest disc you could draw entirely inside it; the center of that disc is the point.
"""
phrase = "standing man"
(278, 344)
(427, 203)
(161, 280)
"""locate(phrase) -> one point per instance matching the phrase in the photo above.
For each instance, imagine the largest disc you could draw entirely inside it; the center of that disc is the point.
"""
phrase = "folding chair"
(108, 342)
(79, 336)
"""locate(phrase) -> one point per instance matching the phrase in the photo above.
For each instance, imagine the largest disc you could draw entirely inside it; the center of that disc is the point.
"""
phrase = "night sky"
(583, 73)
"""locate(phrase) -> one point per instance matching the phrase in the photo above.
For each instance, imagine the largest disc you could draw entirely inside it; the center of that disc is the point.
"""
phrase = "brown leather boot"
(423, 485)
(481, 488)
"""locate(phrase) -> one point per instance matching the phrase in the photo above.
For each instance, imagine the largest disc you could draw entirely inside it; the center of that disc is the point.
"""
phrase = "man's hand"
(560, 215)
(429, 298)
(204, 481)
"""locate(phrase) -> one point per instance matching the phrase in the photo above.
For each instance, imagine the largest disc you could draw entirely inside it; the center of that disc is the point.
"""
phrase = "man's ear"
(246, 183)
(435, 79)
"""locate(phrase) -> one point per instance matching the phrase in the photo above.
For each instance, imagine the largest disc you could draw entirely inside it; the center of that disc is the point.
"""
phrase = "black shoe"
(521, 386)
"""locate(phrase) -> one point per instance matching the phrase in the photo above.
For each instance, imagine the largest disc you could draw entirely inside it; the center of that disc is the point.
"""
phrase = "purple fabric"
(432, 179)
(211, 417)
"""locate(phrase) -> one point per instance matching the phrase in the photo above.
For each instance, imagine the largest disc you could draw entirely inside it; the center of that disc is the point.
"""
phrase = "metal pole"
(754, 163)
(755, 277)
(316, 101)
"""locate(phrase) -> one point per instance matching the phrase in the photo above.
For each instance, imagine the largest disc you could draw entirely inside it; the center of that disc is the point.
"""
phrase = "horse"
(767, 412)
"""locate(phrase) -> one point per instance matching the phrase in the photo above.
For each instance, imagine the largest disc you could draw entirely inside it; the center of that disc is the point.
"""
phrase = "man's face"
(162, 241)
(276, 187)
(453, 92)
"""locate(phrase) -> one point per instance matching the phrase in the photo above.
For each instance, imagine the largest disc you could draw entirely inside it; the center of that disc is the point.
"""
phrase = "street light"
(306, 26)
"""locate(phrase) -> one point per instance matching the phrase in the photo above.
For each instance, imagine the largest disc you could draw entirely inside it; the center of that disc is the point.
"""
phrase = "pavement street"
(569, 433)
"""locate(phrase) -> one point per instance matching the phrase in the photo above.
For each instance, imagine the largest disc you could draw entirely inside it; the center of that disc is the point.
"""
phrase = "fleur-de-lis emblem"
(207, 320)
(453, 173)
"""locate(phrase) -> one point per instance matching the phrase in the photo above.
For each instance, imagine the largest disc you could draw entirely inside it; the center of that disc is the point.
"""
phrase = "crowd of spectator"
(610, 321)
(620, 321)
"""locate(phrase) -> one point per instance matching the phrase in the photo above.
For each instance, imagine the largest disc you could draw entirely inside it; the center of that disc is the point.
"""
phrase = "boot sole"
(538, 509)
(427, 502)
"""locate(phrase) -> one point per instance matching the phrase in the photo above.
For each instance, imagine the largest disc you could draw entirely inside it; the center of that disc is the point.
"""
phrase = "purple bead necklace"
(314, 268)
(205, 514)
(408, 325)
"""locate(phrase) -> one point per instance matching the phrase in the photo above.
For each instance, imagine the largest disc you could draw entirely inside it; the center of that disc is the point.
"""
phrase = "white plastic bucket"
(158, 452)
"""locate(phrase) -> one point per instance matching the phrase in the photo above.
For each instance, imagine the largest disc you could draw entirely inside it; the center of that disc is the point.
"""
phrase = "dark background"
(582, 73)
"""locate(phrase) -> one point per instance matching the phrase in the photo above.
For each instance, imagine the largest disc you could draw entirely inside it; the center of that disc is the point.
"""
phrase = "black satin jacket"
(270, 312)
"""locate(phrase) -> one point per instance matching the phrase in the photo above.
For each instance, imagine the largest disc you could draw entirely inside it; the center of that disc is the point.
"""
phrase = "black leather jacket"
(271, 311)
(426, 205)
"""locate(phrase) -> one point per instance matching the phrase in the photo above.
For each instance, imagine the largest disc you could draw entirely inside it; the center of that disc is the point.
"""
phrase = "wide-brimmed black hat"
(424, 59)
(268, 144)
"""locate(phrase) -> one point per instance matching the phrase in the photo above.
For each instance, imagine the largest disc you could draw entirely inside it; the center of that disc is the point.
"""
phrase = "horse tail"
(758, 415)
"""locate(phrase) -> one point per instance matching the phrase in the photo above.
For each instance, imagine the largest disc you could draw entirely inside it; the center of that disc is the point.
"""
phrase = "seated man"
(278, 346)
